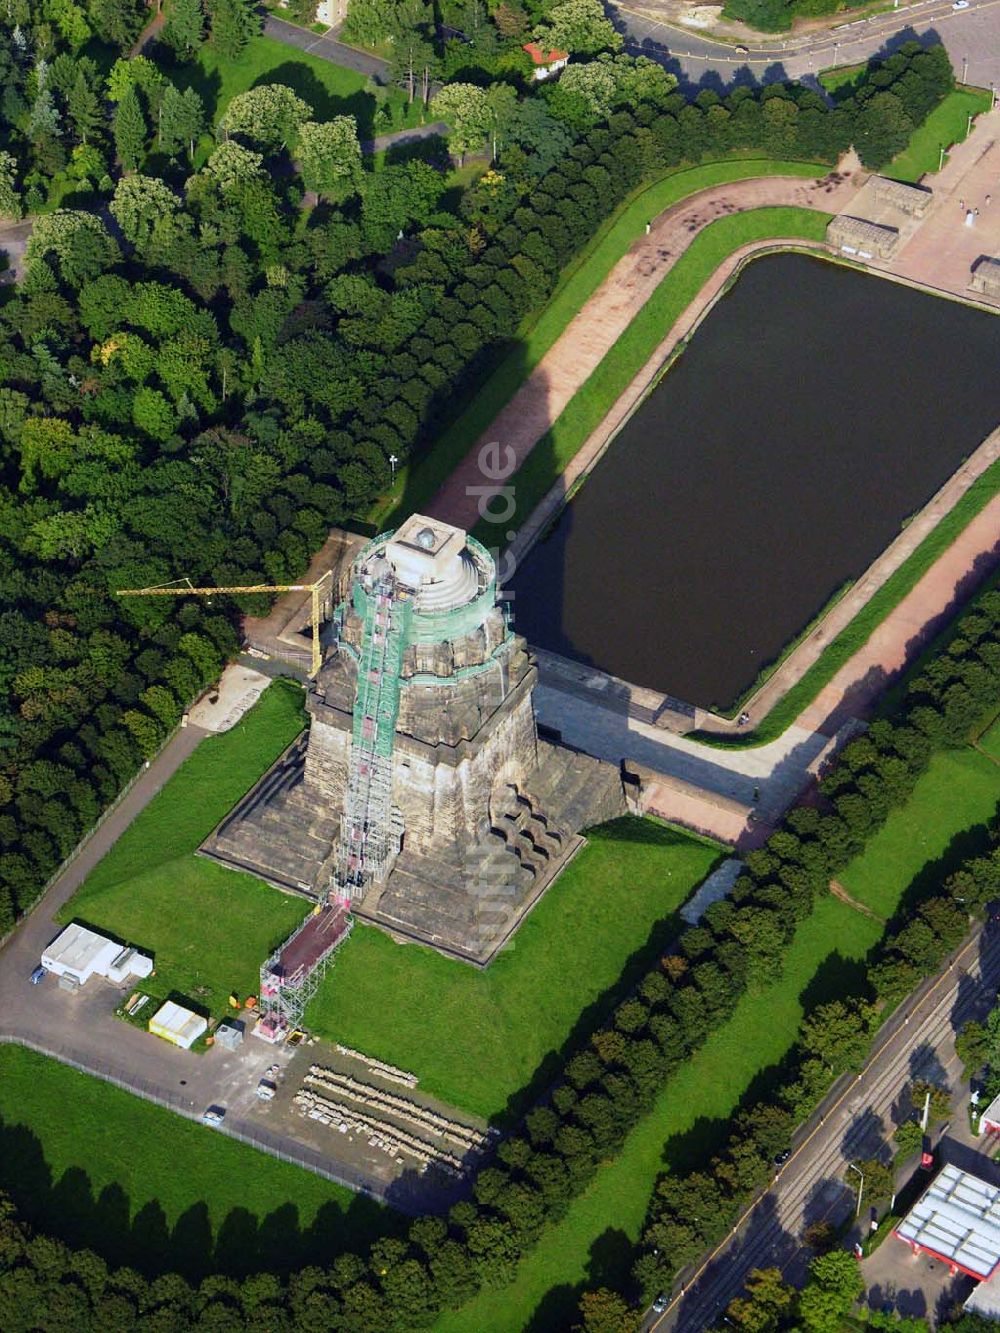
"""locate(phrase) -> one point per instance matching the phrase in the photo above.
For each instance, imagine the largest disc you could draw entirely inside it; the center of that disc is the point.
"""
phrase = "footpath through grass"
(478, 1039)
(208, 928)
(958, 793)
(141, 1186)
(595, 398)
(855, 635)
(578, 282)
(946, 126)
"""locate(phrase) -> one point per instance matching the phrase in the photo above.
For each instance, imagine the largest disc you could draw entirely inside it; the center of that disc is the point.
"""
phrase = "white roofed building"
(79, 954)
(957, 1220)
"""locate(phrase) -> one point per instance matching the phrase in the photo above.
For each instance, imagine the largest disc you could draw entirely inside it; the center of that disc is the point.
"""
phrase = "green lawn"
(945, 126)
(479, 1039)
(842, 76)
(688, 1117)
(959, 791)
(594, 399)
(331, 90)
(826, 960)
(102, 1169)
(209, 928)
(579, 280)
(990, 741)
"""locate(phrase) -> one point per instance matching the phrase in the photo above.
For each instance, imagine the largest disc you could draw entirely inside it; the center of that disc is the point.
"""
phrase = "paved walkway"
(400, 138)
(852, 691)
(588, 337)
(14, 238)
(326, 47)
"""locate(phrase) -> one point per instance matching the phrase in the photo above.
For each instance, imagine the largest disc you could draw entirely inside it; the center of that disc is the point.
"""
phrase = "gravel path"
(592, 333)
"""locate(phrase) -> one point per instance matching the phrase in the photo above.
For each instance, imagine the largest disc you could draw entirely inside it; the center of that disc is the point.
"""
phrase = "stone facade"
(455, 745)
(859, 236)
(482, 817)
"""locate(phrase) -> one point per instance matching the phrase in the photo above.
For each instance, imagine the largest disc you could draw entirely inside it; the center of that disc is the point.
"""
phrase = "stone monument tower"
(422, 795)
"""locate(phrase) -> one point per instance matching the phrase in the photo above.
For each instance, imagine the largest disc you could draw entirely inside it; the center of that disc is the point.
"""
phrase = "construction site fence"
(259, 1138)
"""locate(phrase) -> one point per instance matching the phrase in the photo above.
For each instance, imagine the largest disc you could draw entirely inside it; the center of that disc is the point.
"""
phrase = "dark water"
(813, 412)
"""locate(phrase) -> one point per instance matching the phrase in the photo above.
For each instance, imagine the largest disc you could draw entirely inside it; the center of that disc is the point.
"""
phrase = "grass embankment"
(959, 791)
(946, 126)
(208, 928)
(855, 635)
(595, 398)
(104, 1170)
(418, 482)
(478, 1039)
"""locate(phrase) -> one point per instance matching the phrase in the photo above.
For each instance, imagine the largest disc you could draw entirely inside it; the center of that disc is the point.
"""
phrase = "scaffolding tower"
(367, 831)
(289, 978)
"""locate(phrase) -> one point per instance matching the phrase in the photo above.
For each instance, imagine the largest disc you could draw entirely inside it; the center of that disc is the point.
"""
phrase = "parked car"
(742, 50)
(38, 975)
(782, 1157)
(214, 1115)
(266, 1089)
(961, 4)
(660, 1304)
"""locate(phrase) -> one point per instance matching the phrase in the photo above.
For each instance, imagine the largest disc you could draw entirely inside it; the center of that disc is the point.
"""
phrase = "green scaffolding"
(365, 832)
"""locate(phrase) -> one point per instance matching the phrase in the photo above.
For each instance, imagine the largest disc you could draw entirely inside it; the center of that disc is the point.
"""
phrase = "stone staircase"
(282, 830)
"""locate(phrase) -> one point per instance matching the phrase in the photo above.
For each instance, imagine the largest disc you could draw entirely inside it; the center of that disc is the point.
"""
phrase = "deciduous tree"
(330, 157)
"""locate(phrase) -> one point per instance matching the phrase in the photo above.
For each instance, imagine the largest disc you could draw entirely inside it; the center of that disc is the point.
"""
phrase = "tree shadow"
(196, 1244)
(325, 104)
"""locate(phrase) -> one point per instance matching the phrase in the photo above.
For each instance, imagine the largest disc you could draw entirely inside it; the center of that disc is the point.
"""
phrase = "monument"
(421, 794)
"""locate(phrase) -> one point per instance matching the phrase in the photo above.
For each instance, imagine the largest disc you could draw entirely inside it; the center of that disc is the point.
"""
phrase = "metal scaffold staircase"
(366, 828)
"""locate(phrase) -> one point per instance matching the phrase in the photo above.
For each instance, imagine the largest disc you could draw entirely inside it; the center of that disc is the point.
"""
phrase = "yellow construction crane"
(185, 588)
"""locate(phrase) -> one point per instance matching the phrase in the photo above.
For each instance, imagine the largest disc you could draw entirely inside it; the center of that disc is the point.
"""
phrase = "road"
(971, 37)
(854, 1122)
(326, 47)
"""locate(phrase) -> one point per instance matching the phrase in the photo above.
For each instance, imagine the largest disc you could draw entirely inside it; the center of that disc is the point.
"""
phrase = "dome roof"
(427, 538)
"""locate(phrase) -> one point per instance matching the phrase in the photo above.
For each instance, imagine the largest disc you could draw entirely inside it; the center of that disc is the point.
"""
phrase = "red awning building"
(957, 1220)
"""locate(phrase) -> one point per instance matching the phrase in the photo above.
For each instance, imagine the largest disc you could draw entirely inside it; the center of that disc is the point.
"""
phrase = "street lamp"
(941, 158)
(393, 460)
(965, 68)
(861, 1187)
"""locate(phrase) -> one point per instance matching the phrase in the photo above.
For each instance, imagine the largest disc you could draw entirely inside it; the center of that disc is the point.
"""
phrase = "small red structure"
(546, 62)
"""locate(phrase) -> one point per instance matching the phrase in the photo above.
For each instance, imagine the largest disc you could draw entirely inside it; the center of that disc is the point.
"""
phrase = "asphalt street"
(971, 37)
(854, 1122)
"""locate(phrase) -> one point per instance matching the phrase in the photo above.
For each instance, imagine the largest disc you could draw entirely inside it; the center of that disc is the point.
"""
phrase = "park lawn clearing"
(481, 1039)
(944, 127)
(700, 1097)
(539, 330)
(959, 790)
(104, 1170)
(825, 961)
(208, 928)
(331, 90)
(595, 398)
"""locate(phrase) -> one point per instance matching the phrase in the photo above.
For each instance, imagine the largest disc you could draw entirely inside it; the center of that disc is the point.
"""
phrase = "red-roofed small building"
(546, 62)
